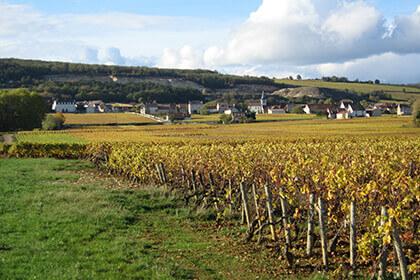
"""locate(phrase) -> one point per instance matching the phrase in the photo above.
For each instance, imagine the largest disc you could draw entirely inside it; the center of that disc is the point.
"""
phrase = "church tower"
(263, 100)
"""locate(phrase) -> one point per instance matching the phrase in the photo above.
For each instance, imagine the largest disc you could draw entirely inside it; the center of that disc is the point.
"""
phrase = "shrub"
(53, 122)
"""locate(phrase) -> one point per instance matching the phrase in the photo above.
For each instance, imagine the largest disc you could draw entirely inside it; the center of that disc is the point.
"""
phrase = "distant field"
(395, 90)
(203, 118)
(386, 125)
(285, 117)
(106, 118)
(49, 137)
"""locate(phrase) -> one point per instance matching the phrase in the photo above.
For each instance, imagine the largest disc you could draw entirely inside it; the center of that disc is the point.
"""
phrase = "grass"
(397, 91)
(106, 118)
(61, 220)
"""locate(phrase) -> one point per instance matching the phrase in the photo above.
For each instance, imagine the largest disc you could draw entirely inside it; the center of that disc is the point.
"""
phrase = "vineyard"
(335, 196)
(343, 204)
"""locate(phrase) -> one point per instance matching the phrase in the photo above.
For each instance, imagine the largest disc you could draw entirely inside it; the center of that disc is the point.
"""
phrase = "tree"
(21, 109)
(299, 77)
(204, 112)
(53, 122)
(416, 113)
(298, 109)
(226, 118)
(377, 82)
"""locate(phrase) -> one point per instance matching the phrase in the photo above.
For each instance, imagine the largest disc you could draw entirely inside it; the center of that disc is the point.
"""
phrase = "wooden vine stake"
(270, 211)
(230, 197)
(193, 185)
(257, 211)
(353, 236)
(384, 255)
(245, 204)
(322, 232)
(311, 215)
(399, 250)
(159, 173)
(163, 172)
(286, 221)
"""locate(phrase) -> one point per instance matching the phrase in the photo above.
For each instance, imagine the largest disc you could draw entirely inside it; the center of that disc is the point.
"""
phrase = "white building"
(356, 110)
(257, 106)
(194, 107)
(276, 110)
(404, 110)
(64, 107)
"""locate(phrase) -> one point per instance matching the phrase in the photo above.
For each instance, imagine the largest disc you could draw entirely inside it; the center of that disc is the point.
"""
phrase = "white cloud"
(186, 58)
(387, 67)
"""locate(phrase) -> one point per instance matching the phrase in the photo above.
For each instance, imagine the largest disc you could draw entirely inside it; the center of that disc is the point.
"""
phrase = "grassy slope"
(61, 220)
(395, 90)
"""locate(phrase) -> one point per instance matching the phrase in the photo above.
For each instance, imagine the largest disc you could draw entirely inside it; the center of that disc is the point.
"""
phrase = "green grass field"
(395, 90)
(61, 219)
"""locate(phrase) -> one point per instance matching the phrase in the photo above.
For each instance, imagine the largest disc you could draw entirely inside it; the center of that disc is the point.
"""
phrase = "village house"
(64, 107)
(372, 111)
(212, 109)
(222, 106)
(403, 109)
(276, 110)
(194, 107)
(318, 108)
(356, 110)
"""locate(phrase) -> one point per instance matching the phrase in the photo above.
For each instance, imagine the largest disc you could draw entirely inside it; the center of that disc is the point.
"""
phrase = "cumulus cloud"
(305, 32)
(315, 38)
(186, 58)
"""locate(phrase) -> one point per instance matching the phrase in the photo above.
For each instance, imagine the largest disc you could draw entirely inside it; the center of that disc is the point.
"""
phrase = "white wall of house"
(194, 107)
(64, 107)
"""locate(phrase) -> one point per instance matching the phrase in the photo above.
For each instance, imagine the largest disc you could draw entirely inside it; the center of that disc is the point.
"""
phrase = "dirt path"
(8, 138)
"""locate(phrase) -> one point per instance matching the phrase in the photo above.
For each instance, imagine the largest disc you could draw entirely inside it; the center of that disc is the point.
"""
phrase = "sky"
(359, 39)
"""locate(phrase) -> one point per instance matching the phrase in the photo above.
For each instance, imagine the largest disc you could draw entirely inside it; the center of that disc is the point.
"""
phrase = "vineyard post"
(193, 184)
(322, 231)
(286, 220)
(384, 255)
(245, 204)
(353, 236)
(257, 211)
(216, 207)
(270, 211)
(165, 179)
(159, 173)
(399, 250)
(230, 197)
(311, 214)
(205, 199)
(183, 176)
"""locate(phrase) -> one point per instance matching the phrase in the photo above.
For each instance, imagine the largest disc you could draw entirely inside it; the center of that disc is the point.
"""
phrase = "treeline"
(336, 79)
(18, 73)
(21, 109)
(116, 92)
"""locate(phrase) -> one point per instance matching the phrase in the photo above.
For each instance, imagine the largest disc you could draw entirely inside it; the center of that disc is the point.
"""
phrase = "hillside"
(396, 92)
(124, 84)
(75, 81)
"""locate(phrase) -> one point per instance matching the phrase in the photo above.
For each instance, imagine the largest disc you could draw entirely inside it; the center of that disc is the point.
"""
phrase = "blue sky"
(364, 39)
